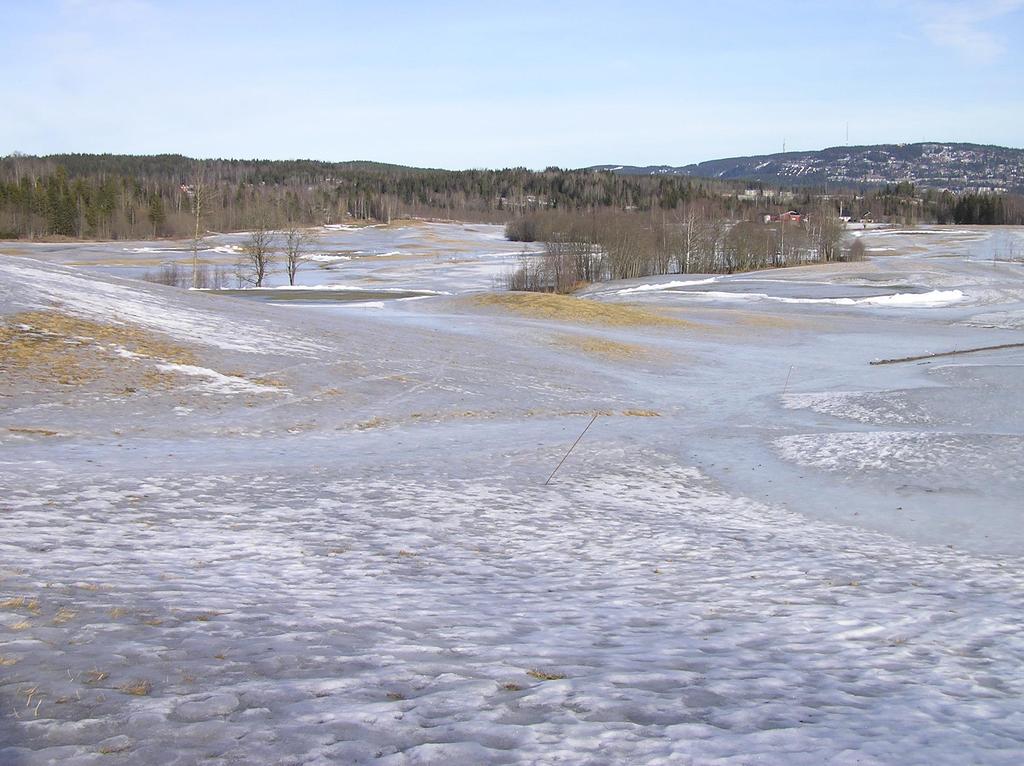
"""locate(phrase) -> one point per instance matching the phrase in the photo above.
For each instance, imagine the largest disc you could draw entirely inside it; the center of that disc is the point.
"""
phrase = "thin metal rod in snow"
(571, 448)
(786, 387)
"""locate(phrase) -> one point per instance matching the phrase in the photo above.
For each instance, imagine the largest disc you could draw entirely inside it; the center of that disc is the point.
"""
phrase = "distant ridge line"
(956, 166)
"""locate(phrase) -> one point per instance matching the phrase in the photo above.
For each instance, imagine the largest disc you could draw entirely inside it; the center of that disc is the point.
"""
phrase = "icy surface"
(304, 617)
(315, 535)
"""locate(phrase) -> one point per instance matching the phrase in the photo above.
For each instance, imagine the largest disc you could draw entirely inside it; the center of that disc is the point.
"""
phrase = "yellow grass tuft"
(6, 661)
(20, 602)
(565, 308)
(138, 688)
(64, 615)
(641, 413)
(115, 747)
(543, 675)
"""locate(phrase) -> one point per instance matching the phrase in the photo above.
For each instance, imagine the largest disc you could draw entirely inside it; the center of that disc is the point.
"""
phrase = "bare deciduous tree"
(296, 241)
(200, 194)
(257, 254)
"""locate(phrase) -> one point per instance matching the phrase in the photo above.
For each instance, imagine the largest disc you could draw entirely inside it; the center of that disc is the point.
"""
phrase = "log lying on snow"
(947, 353)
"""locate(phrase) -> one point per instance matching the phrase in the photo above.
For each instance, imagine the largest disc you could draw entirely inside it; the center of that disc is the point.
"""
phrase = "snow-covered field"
(239, 532)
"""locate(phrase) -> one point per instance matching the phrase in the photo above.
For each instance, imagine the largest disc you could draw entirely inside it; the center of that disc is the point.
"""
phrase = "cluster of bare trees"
(604, 246)
(205, 277)
(266, 247)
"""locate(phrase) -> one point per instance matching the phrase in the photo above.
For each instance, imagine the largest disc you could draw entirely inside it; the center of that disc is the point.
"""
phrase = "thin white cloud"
(967, 27)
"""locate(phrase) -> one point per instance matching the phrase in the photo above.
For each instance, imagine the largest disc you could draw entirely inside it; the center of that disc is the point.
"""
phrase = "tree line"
(128, 197)
(89, 196)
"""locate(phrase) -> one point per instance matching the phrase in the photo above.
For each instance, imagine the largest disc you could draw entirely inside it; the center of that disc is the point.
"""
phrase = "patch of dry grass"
(64, 615)
(641, 413)
(374, 422)
(543, 675)
(117, 746)
(54, 348)
(96, 676)
(138, 688)
(565, 308)
(34, 431)
(6, 661)
(602, 347)
(264, 380)
(770, 321)
(20, 602)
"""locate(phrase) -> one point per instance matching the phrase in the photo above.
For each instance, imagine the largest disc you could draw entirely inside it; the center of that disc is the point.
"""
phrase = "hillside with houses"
(958, 167)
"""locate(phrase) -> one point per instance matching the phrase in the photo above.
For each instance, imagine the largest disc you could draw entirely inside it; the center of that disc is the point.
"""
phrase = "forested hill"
(105, 196)
(179, 167)
(125, 196)
(953, 166)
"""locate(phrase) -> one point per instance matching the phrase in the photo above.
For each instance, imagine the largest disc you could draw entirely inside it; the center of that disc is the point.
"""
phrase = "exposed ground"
(318, 531)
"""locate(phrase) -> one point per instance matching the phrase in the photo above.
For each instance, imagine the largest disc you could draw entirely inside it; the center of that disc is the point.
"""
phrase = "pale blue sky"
(478, 84)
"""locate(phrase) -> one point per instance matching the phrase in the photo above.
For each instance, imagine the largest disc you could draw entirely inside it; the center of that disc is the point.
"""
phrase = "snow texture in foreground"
(629, 617)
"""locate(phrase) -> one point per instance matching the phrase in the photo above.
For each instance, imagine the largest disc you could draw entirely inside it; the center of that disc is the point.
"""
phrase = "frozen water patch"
(908, 453)
(877, 408)
(362, 305)
(350, 227)
(223, 249)
(1006, 320)
(325, 258)
(349, 288)
(915, 232)
(150, 249)
(666, 285)
(931, 299)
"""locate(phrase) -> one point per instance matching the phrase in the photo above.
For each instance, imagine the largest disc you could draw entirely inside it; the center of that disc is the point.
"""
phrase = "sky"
(500, 84)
